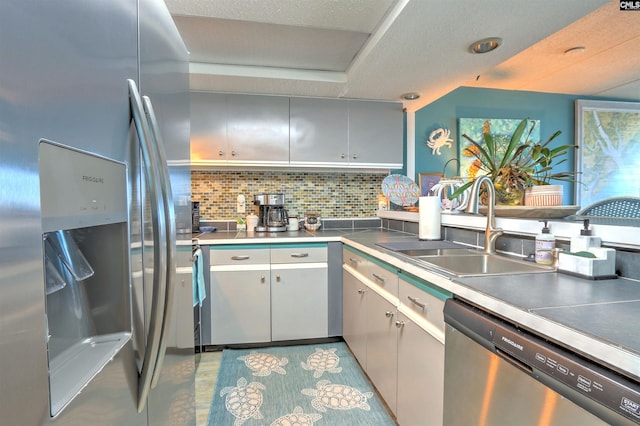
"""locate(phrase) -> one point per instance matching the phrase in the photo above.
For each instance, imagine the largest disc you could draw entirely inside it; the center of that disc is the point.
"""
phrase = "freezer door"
(63, 76)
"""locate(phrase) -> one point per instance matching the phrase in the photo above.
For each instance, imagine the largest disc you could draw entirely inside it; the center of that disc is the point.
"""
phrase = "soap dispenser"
(585, 240)
(545, 243)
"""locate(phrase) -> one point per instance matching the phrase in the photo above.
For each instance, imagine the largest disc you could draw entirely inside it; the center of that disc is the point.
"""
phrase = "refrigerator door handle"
(165, 186)
(158, 218)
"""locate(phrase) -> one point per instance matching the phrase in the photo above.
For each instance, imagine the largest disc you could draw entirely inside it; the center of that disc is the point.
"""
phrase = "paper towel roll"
(429, 218)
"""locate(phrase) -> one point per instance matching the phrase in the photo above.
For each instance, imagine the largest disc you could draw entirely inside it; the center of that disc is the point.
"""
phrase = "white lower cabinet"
(354, 316)
(420, 376)
(397, 338)
(240, 307)
(263, 293)
(382, 356)
(299, 302)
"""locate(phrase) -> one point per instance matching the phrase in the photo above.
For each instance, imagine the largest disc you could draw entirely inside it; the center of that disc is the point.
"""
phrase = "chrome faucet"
(492, 233)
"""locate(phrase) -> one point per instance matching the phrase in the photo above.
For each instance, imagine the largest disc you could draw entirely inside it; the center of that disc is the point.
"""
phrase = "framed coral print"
(427, 180)
(608, 154)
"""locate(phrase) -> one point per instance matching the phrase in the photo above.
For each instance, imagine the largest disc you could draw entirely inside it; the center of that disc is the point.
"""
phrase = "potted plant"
(515, 164)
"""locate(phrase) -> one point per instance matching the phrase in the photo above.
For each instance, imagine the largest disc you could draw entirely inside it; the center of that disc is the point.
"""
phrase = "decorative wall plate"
(400, 190)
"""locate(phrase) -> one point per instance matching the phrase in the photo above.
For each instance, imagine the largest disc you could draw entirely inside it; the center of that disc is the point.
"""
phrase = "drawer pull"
(299, 254)
(379, 278)
(399, 324)
(242, 257)
(388, 314)
(278, 278)
(361, 291)
(262, 279)
(356, 261)
(415, 302)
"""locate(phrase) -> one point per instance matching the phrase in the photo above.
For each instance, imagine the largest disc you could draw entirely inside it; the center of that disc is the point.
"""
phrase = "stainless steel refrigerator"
(96, 310)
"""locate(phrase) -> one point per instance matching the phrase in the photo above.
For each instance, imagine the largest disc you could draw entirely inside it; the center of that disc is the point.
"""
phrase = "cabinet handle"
(388, 314)
(278, 278)
(355, 261)
(242, 257)
(361, 291)
(299, 254)
(221, 153)
(342, 156)
(415, 302)
(379, 278)
(262, 279)
(355, 157)
(233, 153)
(399, 324)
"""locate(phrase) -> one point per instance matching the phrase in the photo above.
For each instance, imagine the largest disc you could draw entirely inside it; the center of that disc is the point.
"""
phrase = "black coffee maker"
(272, 216)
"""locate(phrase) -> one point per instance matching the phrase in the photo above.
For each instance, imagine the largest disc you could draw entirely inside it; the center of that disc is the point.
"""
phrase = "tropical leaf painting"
(501, 129)
(609, 140)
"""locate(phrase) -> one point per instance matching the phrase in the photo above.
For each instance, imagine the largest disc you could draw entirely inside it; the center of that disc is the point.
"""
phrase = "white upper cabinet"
(239, 129)
(275, 131)
(375, 134)
(258, 129)
(319, 132)
(208, 127)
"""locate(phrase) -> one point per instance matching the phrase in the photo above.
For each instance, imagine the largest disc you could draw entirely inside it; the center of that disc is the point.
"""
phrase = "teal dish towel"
(199, 290)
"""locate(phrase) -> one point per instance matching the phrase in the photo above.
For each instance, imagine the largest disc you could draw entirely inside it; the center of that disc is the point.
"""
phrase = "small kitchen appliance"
(272, 216)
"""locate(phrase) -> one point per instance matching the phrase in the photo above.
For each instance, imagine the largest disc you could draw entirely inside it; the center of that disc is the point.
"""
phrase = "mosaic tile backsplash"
(330, 194)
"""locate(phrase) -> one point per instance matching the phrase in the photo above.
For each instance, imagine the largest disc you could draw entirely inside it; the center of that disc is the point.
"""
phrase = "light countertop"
(597, 319)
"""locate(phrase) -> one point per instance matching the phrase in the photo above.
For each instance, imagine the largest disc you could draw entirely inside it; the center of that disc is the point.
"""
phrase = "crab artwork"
(263, 364)
(297, 418)
(322, 360)
(244, 400)
(337, 397)
(439, 138)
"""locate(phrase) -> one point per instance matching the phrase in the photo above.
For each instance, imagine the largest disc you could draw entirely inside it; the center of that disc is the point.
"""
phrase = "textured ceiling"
(379, 49)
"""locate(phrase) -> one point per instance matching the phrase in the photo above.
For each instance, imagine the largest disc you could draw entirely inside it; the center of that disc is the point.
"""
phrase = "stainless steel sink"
(471, 263)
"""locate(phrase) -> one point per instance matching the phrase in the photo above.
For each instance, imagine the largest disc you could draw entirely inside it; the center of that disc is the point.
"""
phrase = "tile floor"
(206, 375)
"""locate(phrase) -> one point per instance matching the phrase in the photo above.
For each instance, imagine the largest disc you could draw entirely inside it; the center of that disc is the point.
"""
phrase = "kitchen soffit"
(379, 49)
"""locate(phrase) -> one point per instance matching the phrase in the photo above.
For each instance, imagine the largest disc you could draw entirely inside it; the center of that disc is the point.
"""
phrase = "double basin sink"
(464, 262)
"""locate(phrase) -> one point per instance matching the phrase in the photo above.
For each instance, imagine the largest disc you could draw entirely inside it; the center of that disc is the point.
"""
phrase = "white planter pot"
(543, 195)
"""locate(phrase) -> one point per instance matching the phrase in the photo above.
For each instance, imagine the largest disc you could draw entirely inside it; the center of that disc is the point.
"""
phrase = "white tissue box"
(603, 266)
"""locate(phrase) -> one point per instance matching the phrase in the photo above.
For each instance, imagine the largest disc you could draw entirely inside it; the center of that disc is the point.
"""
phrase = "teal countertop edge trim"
(373, 259)
(432, 289)
(266, 246)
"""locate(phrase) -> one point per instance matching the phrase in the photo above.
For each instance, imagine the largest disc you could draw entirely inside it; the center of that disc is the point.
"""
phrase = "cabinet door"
(354, 319)
(208, 127)
(381, 347)
(375, 133)
(258, 128)
(299, 302)
(319, 131)
(420, 376)
(240, 306)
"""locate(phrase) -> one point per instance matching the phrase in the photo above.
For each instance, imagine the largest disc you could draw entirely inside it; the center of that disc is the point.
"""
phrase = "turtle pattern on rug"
(294, 395)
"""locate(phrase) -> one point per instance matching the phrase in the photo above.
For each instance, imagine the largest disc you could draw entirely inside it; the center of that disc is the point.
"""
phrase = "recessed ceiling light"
(410, 96)
(485, 45)
(574, 50)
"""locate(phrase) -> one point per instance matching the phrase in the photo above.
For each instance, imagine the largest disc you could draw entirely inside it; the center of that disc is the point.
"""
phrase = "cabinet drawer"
(355, 260)
(382, 277)
(425, 304)
(299, 254)
(239, 255)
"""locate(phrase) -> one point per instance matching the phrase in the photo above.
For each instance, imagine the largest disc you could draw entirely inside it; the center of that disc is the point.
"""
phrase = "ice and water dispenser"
(86, 265)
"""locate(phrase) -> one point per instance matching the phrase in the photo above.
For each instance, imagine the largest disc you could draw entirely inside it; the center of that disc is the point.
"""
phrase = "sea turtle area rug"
(295, 385)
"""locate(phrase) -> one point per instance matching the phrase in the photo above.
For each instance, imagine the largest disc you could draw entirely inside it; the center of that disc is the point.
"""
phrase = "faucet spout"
(492, 232)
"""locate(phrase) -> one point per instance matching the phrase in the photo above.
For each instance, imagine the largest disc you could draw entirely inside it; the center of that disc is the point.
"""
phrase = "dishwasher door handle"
(514, 361)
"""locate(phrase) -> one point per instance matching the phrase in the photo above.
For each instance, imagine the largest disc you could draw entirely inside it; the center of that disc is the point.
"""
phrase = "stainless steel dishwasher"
(498, 374)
